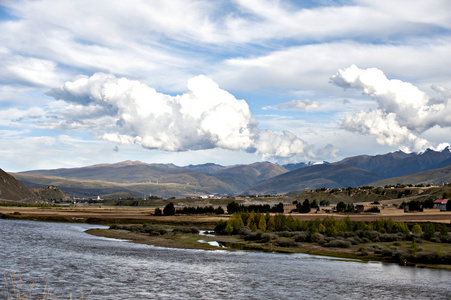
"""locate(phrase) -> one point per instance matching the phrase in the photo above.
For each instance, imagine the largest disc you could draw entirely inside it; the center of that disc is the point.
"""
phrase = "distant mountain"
(208, 168)
(160, 180)
(399, 163)
(123, 172)
(316, 176)
(365, 170)
(169, 180)
(13, 189)
(245, 176)
(292, 167)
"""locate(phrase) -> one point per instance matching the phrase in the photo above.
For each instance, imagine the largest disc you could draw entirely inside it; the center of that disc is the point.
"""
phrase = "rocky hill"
(13, 189)
(50, 194)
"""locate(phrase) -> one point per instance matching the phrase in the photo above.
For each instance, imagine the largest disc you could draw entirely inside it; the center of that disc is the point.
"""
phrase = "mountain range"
(168, 180)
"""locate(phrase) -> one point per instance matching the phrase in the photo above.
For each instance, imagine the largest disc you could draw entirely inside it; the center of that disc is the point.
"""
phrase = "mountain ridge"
(257, 178)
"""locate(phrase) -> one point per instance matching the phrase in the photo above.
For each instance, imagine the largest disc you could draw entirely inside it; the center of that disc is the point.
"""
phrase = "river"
(70, 261)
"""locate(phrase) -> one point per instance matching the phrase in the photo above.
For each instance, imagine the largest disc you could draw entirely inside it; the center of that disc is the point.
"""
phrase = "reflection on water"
(73, 261)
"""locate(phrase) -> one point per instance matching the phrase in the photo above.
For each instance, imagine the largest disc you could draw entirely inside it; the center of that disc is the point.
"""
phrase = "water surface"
(73, 261)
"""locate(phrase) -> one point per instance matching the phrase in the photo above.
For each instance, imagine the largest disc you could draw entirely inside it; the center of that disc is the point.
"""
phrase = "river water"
(70, 261)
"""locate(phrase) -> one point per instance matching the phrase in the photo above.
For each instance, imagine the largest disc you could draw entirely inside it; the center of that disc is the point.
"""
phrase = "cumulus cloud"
(403, 112)
(126, 111)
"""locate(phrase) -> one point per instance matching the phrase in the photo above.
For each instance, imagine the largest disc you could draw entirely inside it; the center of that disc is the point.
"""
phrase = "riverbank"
(236, 243)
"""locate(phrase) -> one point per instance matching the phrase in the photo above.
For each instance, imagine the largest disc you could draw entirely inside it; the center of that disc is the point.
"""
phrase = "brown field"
(112, 215)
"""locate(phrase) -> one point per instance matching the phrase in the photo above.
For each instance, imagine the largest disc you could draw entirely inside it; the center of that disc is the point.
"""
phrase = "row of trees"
(329, 226)
(169, 210)
(234, 207)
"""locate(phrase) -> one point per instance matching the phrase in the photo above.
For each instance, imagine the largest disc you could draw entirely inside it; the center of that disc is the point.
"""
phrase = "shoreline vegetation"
(416, 239)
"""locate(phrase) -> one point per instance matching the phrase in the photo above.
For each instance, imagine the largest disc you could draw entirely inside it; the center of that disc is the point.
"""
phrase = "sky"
(227, 82)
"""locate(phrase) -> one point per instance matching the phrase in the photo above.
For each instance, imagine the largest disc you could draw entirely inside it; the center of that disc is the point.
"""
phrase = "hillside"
(123, 172)
(317, 176)
(245, 176)
(50, 194)
(433, 177)
(13, 189)
(383, 195)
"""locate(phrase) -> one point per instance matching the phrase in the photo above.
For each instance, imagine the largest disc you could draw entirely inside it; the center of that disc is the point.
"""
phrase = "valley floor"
(133, 215)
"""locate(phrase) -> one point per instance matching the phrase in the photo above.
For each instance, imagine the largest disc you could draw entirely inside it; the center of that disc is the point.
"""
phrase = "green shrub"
(338, 243)
(317, 238)
(285, 243)
(268, 237)
(254, 236)
(301, 237)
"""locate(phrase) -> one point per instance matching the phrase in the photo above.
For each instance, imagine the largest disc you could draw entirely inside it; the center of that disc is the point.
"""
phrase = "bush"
(353, 240)
(301, 237)
(391, 237)
(317, 238)
(243, 231)
(253, 236)
(268, 237)
(286, 233)
(220, 227)
(338, 243)
(372, 235)
(193, 230)
(387, 252)
(285, 243)
(153, 230)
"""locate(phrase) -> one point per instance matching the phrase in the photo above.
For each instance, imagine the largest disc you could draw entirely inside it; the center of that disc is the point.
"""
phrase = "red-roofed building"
(441, 203)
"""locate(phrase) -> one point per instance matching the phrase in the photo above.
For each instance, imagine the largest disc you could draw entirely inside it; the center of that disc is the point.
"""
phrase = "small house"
(441, 203)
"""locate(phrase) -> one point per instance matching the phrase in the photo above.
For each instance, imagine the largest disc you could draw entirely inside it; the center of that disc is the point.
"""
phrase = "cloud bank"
(403, 112)
(127, 111)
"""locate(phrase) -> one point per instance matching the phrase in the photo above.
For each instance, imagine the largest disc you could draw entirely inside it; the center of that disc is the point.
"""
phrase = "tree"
(158, 211)
(429, 231)
(271, 224)
(341, 206)
(416, 229)
(324, 203)
(278, 208)
(233, 207)
(444, 232)
(169, 209)
(262, 224)
(314, 204)
(305, 207)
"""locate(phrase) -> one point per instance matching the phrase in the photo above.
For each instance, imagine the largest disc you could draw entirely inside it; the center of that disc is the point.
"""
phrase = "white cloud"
(295, 105)
(403, 112)
(127, 111)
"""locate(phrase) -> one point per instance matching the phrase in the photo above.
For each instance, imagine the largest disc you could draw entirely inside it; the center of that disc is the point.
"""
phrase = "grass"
(14, 288)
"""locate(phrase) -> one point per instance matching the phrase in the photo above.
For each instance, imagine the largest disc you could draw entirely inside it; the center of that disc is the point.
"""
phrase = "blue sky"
(229, 82)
